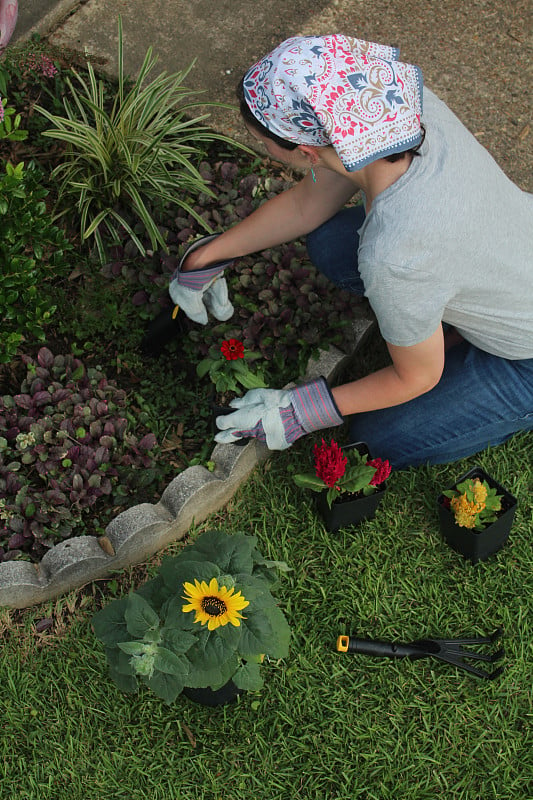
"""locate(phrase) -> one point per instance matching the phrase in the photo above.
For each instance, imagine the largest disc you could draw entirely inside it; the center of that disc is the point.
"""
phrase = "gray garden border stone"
(142, 530)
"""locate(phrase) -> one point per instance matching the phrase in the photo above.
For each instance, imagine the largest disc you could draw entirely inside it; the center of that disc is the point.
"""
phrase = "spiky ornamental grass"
(129, 154)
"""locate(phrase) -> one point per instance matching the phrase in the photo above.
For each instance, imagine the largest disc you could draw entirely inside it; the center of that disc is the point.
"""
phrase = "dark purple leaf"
(41, 398)
(147, 442)
(44, 624)
(23, 400)
(45, 358)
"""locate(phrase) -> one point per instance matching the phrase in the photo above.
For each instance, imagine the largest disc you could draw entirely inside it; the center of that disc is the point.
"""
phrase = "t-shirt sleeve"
(408, 303)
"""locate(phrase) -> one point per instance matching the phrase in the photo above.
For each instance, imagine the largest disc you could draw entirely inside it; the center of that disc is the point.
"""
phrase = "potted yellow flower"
(201, 626)
(476, 515)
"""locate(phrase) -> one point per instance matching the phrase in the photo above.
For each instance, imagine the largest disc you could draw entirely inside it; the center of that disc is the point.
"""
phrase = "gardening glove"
(217, 301)
(280, 417)
(188, 290)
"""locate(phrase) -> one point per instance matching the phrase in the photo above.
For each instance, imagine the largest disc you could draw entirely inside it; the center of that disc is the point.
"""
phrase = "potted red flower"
(350, 483)
(476, 515)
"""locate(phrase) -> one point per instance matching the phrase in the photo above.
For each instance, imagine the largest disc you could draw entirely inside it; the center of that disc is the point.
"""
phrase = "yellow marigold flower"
(465, 511)
(214, 605)
(480, 493)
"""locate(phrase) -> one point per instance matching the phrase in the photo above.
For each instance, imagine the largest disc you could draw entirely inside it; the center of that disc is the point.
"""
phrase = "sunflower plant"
(228, 367)
(207, 617)
(336, 472)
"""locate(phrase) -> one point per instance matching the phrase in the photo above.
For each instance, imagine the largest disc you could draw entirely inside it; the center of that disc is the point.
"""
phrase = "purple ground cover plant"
(64, 444)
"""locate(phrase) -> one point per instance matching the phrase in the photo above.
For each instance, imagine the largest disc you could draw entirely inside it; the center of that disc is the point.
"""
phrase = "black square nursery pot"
(349, 509)
(206, 696)
(477, 545)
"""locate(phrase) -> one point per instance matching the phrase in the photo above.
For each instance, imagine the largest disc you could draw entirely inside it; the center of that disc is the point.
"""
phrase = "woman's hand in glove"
(280, 417)
(199, 290)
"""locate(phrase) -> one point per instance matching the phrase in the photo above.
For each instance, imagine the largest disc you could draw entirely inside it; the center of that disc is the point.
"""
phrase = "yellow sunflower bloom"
(214, 605)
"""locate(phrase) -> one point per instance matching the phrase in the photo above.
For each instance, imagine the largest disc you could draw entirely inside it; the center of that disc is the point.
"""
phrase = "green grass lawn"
(327, 726)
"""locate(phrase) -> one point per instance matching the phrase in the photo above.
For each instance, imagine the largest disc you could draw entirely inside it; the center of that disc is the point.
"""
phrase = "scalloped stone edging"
(142, 530)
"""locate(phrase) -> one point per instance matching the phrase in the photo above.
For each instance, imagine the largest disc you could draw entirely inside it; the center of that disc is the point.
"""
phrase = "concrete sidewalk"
(475, 55)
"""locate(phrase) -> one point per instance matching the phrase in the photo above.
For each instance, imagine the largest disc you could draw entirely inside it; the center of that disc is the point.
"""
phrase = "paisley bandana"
(340, 91)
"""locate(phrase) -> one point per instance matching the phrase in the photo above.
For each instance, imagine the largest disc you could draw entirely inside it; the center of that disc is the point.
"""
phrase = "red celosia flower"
(383, 470)
(232, 349)
(330, 462)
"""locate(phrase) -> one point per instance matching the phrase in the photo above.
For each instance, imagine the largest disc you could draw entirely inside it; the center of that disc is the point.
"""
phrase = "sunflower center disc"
(214, 606)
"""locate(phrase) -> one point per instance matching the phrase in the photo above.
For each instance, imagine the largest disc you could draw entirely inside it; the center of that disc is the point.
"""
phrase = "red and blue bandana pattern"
(340, 91)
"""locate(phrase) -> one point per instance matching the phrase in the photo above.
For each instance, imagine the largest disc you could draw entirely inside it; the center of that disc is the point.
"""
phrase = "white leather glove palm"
(280, 416)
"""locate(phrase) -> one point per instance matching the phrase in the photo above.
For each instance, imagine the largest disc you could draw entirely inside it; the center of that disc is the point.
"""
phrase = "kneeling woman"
(441, 247)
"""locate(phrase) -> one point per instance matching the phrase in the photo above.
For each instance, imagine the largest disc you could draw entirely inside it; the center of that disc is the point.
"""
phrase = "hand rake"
(453, 651)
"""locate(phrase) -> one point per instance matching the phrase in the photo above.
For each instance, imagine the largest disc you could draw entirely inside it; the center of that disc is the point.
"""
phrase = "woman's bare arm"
(414, 371)
(283, 218)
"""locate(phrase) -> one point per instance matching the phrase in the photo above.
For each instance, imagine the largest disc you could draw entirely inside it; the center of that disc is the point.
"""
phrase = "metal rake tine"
(481, 673)
(466, 653)
(473, 640)
(491, 657)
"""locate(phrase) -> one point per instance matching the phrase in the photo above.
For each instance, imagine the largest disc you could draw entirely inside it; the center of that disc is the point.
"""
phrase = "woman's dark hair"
(413, 150)
(249, 118)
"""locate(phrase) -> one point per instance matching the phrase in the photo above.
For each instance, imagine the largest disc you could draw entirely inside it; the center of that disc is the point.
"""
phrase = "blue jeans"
(480, 400)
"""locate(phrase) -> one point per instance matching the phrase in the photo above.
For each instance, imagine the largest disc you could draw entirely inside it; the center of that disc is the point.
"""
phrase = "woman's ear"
(311, 152)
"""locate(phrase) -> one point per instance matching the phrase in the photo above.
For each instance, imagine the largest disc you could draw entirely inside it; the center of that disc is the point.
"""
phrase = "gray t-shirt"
(451, 241)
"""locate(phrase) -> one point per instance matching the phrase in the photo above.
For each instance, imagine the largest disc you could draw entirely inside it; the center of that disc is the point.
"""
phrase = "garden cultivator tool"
(453, 651)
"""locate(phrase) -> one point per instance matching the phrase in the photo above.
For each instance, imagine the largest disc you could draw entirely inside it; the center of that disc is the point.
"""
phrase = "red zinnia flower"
(232, 349)
(383, 470)
(330, 462)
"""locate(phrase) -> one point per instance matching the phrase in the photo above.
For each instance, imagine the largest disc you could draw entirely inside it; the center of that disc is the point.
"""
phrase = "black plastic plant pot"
(161, 331)
(348, 509)
(213, 697)
(218, 411)
(477, 545)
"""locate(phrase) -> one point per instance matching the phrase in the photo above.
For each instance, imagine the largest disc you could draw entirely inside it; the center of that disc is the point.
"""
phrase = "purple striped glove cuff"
(314, 406)
(197, 279)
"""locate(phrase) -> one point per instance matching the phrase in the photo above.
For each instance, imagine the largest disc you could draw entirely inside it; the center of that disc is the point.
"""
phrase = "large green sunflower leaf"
(215, 677)
(254, 588)
(132, 648)
(282, 633)
(171, 664)
(141, 618)
(126, 683)
(257, 635)
(174, 616)
(165, 686)
(176, 571)
(177, 640)
(109, 624)
(232, 553)
(118, 661)
(155, 592)
(248, 677)
(211, 649)
(230, 634)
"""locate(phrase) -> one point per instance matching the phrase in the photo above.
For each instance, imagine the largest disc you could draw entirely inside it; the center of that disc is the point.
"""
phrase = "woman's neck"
(379, 175)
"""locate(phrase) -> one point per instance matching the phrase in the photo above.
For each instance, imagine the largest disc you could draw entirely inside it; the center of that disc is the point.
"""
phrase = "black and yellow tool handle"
(373, 647)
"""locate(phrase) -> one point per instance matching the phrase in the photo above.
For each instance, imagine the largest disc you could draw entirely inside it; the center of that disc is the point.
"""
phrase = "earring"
(313, 175)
